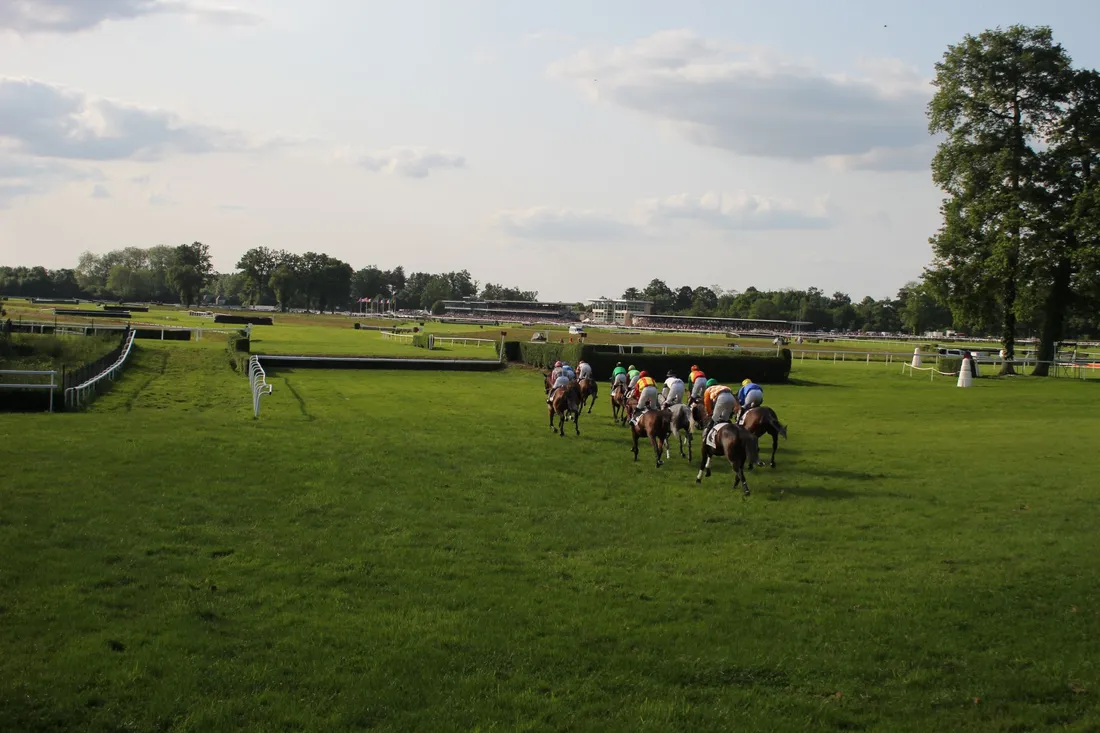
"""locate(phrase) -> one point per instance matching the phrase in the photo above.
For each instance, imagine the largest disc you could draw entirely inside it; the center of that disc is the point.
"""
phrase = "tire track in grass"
(129, 403)
(301, 402)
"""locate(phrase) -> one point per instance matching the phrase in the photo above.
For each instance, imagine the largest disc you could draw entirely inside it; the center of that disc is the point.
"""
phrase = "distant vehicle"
(577, 331)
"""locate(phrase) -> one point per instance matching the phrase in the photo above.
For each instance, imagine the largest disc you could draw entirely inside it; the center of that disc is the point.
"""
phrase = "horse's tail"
(779, 427)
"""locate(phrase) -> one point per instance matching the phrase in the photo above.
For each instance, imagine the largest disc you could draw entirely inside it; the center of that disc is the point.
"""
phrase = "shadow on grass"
(815, 492)
(810, 383)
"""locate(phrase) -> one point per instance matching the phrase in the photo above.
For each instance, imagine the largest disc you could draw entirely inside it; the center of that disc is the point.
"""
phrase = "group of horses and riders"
(731, 422)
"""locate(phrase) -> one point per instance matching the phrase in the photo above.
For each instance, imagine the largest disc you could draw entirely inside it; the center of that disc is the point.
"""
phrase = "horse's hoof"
(698, 480)
(773, 464)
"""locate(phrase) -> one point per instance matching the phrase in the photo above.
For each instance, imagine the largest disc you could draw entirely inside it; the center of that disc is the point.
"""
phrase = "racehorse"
(630, 406)
(760, 420)
(681, 420)
(698, 414)
(657, 426)
(549, 383)
(588, 389)
(618, 401)
(566, 400)
(738, 445)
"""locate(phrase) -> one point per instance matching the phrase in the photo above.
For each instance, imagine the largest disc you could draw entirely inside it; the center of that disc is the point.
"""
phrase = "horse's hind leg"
(775, 445)
(561, 424)
(551, 411)
(656, 448)
(704, 464)
(576, 421)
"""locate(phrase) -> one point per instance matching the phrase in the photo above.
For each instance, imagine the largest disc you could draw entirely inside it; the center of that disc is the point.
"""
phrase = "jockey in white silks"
(584, 370)
(673, 392)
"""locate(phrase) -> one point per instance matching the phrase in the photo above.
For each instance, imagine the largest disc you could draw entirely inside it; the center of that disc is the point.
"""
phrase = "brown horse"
(738, 445)
(760, 420)
(588, 389)
(657, 426)
(566, 400)
(630, 406)
(549, 383)
(618, 401)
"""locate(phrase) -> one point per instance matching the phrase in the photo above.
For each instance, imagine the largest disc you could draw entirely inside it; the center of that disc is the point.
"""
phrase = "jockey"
(634, 374)
(584, 369)
(719, 402)
(749, 396)
(618, 376)
(555, 372)
(698, 382)
(560, 381)
(646, 392)
(568, 372)
(673, 393)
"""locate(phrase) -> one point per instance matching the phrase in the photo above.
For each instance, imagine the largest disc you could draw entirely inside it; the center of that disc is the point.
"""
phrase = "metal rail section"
(257, 382)
(78, 396)
(40, 385)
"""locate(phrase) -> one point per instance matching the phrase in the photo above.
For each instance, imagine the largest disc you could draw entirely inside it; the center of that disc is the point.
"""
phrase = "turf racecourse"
(416, 551)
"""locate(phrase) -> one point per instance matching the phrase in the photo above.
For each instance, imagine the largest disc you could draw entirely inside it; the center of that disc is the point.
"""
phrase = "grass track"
(417, 551)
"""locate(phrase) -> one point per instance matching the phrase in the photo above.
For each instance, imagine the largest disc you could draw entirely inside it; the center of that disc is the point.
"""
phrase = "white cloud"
(753, 103)
(73, 16)
(99, 191)
(22, 176)
(50, 121)
(665, 217)
(564, 225)
(413, 162)
(738, 211)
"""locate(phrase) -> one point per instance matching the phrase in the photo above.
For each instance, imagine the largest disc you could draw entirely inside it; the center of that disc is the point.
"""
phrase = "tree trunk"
(1009, 333)
(1056, 304)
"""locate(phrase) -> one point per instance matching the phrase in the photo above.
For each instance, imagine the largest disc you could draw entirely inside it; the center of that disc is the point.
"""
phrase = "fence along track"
(80, 395)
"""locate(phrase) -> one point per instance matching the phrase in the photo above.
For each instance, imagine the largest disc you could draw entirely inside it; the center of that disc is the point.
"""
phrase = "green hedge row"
(728, 369)
(420, 340)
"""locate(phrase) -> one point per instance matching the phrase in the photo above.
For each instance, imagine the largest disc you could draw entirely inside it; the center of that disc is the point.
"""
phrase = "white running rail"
(78, 395)
(456, 340)
(40, 385)
(405, 338)
(257, 381)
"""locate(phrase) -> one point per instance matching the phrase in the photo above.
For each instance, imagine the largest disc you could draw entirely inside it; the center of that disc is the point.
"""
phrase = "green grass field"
(417, 551)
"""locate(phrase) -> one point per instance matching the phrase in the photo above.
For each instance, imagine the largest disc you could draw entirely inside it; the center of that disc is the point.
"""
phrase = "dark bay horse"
(681, 421)
(566, 400)
(698, 414)
(618, 401)
(589, 388)
(738, 445)
(657, 426)
(761, 420)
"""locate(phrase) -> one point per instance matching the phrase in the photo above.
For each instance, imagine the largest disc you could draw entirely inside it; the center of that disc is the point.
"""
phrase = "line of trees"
(184, 274)
(914, 310)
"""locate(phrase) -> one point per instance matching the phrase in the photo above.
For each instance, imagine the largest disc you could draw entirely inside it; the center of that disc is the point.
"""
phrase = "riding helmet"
(712, 382)
(643, 374)
(670, 373)
(694, 368)
(557, 363)
(746, 383)
(631, 367)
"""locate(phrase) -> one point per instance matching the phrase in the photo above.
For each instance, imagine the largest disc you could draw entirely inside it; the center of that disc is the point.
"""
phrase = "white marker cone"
(965, 378)
(916, 358)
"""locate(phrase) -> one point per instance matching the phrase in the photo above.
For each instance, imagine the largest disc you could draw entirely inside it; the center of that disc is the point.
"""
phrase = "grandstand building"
(609, 310)
(509, 310)
(709, 323)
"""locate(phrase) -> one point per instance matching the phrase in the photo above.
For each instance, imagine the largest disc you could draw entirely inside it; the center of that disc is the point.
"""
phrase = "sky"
(573, 148)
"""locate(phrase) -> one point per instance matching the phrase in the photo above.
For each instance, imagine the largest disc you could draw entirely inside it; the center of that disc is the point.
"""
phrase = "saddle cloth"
(712, 436)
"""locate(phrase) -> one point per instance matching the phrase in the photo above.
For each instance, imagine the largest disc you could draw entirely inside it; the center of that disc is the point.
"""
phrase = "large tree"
(1061, 270)
(997, 97)
(190, 270)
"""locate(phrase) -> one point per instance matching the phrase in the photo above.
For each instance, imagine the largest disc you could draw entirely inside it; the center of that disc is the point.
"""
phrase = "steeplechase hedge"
(254, 320)
(762, 369)
(91, 314)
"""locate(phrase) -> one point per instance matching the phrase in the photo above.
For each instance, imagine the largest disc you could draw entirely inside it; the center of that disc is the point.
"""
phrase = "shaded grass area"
(44, 352)
(310, 340)
(418, 551)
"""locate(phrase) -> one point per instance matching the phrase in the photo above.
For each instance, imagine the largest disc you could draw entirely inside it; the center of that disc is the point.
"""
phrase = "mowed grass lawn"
(416, 551)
